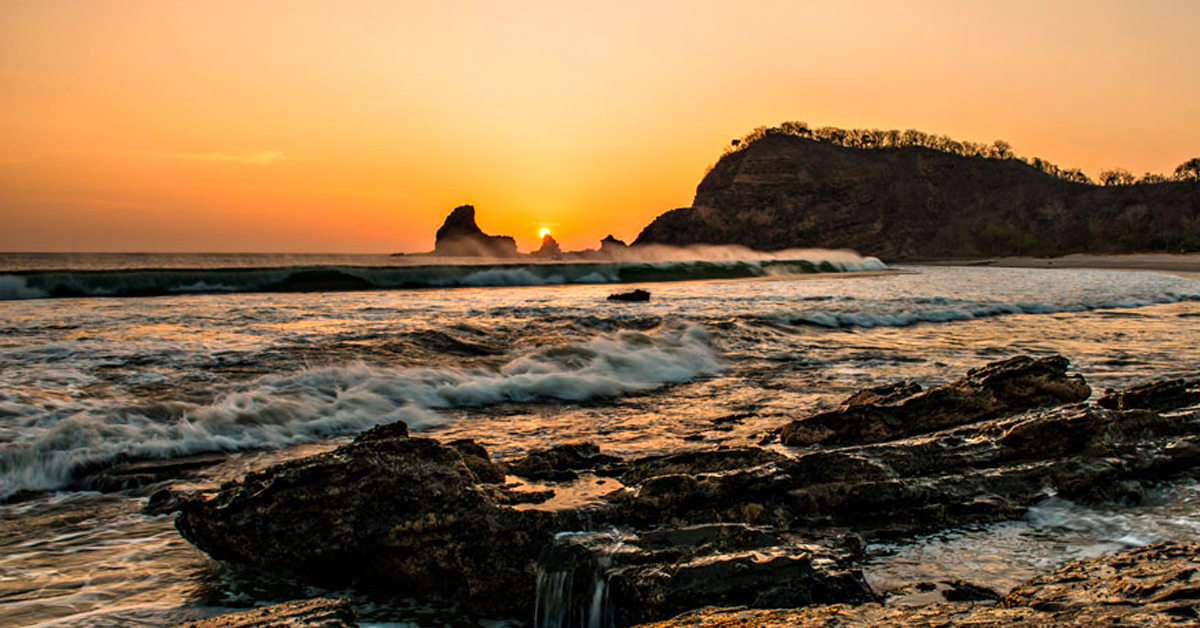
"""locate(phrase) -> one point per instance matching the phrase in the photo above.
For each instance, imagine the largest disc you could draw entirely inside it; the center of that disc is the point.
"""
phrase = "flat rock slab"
(315, 613)
(1158, 585)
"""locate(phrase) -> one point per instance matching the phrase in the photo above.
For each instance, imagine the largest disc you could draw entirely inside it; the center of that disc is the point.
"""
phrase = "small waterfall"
(572, 585)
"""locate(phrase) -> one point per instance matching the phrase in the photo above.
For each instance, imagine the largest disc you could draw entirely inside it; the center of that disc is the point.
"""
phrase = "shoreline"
(1185, 265)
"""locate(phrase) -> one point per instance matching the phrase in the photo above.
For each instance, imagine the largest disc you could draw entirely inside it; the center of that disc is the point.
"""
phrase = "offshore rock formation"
(612, 247)
(784, 191)
(1158, 585)
(459, 236)
(549, 249)
(747, 526)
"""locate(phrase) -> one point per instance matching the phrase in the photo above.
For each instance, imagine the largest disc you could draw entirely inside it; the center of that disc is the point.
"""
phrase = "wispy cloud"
(261, 158)
(12, 161)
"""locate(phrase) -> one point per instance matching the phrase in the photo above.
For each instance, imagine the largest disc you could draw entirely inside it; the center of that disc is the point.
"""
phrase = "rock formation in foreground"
(314, 613)
(750, 526)
(459, 236)
(784, 191)
(1158, 585)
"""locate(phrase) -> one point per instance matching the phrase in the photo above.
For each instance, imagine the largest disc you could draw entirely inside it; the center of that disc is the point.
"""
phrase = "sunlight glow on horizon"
(139, 125)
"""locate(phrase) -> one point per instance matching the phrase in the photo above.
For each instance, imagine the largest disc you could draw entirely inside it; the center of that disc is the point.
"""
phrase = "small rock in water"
(636, 296)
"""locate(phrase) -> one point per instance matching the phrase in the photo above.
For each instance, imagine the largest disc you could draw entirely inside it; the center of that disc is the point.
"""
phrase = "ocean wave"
(920, 312)
(47, 448)
(167, 281)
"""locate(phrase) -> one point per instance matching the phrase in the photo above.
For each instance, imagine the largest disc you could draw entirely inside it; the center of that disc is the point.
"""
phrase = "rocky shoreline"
(779, 526)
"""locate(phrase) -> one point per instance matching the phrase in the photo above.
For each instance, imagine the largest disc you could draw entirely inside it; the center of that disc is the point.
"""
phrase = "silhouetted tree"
(1001, 150)
(1152, 177)
(1116, 176)
(1188, 170)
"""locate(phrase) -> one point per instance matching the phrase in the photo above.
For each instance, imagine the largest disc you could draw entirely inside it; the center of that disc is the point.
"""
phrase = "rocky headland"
(911, 202)
(769, 527)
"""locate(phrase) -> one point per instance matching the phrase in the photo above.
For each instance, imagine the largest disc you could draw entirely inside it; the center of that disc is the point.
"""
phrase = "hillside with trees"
(913, 195)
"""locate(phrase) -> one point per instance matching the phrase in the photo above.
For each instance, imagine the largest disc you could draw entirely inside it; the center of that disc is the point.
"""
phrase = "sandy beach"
(1182, 265)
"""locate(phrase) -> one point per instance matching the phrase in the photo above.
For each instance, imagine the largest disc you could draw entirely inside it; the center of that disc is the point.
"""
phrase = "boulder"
(410, 515)
(459, 236)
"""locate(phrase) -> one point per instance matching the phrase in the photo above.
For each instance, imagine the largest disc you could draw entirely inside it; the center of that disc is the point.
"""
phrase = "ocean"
(107, 359)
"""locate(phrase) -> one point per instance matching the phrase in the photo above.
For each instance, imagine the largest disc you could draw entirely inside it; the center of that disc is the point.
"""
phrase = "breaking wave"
(946, 311)
(33, 284)
(52, 447)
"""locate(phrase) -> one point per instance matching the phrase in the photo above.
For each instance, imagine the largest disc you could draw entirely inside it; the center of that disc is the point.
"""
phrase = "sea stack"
(612, 247)
(550, 248)
(459, 236)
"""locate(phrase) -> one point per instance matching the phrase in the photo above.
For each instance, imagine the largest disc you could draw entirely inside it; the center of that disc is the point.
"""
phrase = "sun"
(543, 233)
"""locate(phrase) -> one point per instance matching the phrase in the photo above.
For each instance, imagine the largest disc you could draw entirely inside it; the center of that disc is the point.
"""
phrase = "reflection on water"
(78, 376)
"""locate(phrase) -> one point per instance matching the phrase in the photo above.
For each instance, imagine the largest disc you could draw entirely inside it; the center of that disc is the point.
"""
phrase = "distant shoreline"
(1183, 264)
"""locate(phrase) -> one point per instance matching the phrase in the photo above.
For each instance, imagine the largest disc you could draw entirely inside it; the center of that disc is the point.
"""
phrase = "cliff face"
(459, 236)
(916, 203)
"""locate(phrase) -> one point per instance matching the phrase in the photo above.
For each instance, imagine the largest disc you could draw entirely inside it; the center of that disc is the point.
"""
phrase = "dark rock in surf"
(1157, 585)
(314, 613)
(1167, 395)
(886, 414)
(389, 511)
(459, 236)
(560, 463)
(634, 296)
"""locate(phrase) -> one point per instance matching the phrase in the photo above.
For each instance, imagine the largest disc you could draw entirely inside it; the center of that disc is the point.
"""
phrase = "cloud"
(261, 158)
(12, 161)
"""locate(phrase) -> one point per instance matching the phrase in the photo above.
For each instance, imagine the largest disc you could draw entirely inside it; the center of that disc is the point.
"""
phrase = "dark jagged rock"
(1167, 395)
(459, 236)
(634, 296)
(550, 248)
(314, 613)
(560, 463)
(406, 514)
(978, 473)
(611, 246)
(653, 574)
(884, 414)
(1158, 585)
(785, 192)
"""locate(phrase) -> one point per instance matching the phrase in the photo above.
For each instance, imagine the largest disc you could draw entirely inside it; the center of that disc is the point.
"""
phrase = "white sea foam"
(47, 447)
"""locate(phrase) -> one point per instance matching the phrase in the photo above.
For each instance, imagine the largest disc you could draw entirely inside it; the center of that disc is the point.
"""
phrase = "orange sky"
(243, 125)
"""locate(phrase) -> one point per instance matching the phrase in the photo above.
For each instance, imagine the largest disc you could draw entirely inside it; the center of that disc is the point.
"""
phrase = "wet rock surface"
(315, 613)
(888, 413)
(749, 526)
(410, 514)
(1158, 585)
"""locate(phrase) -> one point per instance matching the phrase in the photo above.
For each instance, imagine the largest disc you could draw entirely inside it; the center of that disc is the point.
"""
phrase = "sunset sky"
(356, 126)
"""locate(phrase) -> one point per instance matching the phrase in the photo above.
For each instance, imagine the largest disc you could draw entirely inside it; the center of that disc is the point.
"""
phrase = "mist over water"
(705, 363)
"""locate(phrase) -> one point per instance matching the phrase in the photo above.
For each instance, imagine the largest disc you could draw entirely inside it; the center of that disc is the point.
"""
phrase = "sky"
(356, 126)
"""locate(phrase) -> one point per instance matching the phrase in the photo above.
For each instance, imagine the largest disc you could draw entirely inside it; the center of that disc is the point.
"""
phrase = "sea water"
(261, 376)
